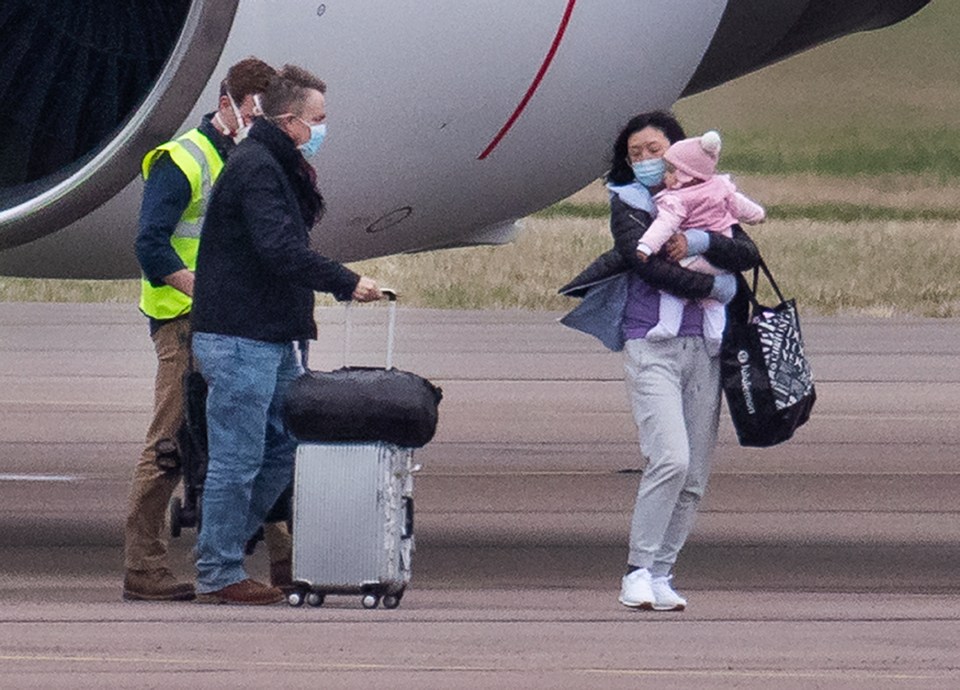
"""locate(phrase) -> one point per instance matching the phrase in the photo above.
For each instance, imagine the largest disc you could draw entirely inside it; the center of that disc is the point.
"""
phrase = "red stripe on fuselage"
(536, 81)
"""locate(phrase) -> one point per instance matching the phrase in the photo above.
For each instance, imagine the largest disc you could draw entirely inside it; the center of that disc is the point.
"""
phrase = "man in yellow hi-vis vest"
(178, 177)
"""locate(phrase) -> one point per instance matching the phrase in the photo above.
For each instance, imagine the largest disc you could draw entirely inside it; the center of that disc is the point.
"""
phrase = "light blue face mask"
(650, 172)
(317, 134)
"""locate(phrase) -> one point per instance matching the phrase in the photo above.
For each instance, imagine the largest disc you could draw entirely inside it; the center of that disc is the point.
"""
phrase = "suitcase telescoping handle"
(391, 297)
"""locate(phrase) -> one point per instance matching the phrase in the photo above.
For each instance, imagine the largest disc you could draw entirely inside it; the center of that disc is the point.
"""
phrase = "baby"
(695, 198)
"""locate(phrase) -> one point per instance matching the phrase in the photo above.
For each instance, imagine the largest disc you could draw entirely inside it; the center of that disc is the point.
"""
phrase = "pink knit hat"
(695, 158)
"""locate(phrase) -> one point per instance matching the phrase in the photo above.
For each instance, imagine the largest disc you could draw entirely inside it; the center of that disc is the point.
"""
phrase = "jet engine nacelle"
(447, 120)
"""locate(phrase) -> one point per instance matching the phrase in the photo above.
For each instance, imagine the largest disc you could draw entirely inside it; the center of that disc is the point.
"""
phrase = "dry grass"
(867, 268)
(881, 269)
(889, 191)
(73, 291)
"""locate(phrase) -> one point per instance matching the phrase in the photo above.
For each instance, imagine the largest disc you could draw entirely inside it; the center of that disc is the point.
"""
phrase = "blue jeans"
(250, 451)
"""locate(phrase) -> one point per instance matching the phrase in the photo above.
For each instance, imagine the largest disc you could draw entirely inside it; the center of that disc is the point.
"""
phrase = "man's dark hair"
(283, 96)
(620, 170)
(248, 77)
(287, 91)
(303, 78)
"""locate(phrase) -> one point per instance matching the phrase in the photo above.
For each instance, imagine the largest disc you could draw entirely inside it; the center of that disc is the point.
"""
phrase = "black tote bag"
(765, 376)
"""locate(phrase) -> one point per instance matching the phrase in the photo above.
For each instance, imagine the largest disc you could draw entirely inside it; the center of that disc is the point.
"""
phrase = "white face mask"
(242, 129)
(240, 133)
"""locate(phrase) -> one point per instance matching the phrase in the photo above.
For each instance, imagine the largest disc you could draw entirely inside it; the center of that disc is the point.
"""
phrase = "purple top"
(642, 312)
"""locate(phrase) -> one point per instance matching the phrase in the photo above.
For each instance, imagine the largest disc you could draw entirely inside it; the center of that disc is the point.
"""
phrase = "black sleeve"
(628, 225)
(279, 239)
(734, 254)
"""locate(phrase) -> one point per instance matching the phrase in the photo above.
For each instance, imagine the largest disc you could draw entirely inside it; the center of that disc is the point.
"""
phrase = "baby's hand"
(675, 248)
(643, 251)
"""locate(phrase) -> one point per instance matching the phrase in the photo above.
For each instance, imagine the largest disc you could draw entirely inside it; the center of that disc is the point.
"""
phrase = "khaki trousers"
(145, 537)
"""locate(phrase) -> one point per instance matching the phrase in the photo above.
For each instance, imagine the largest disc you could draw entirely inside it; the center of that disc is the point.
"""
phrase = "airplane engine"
(447, 120)
(89, 88)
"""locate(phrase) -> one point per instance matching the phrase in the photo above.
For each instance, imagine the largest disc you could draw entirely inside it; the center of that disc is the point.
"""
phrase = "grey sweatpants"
(674, 389)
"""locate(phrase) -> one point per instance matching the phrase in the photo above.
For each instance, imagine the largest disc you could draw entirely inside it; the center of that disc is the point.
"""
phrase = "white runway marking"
(38, 478)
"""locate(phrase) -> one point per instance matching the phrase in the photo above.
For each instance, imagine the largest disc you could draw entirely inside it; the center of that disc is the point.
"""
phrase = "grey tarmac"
(829, 561)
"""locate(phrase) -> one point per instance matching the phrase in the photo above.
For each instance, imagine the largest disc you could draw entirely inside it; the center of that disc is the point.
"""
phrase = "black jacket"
(256, 273)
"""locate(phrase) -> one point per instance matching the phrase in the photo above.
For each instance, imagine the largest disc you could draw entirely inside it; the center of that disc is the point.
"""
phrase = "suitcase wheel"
(295, 598)
(370, 601)
(392, 601)
(314, 599)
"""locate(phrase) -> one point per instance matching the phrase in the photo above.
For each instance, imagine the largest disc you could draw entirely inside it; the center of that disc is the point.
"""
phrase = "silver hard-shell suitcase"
(352, 522)
(353, 515)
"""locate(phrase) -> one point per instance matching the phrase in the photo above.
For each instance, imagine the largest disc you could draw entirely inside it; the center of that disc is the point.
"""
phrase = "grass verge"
(856, 267)
(881, 268)
(830, 212)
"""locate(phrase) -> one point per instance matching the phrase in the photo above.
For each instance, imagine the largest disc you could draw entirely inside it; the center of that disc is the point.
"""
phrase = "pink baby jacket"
(712, 205)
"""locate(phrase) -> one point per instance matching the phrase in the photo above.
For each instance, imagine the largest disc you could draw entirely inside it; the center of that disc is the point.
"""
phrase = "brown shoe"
(155, 585)
(244, 593)
(281, 574)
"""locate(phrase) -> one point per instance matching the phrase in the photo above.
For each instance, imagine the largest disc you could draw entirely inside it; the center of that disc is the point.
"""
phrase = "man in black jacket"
(253, 300)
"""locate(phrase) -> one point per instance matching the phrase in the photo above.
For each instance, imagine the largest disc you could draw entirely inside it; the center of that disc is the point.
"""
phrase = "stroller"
(192, 440)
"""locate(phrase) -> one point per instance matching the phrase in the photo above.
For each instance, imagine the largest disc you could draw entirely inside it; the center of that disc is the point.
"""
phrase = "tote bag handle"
(752, 292)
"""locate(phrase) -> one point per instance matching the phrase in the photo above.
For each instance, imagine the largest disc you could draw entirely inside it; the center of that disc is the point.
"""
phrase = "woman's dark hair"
(620, 170)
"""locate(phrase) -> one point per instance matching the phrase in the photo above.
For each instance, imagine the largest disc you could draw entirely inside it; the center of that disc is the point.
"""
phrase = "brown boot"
(155, 585)
(244, 593)
(281, 575)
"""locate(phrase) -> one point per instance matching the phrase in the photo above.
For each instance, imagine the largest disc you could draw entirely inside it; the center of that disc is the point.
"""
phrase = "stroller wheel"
(251, 545)
(176, 513)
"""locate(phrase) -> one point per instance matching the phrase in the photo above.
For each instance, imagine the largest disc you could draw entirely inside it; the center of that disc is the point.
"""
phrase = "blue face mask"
(649, 173)
(317, 134)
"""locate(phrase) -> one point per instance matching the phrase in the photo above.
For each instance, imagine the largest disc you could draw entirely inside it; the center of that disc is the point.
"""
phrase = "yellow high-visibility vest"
(198, 159)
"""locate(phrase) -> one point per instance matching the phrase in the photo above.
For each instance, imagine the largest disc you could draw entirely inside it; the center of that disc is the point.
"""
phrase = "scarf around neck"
(299, 172)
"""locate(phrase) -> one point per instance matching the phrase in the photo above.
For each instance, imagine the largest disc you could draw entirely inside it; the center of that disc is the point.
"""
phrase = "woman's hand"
(675, 248)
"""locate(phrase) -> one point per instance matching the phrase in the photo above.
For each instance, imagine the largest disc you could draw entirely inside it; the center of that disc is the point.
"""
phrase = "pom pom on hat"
(696, 157)
(710, 142)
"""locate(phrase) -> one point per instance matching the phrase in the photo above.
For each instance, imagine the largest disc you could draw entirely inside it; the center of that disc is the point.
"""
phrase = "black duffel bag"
(357, 404)
(362, 404)
(765, 376)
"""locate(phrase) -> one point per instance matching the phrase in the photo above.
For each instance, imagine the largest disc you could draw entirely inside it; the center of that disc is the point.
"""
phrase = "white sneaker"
(664, 598)
(635, 590)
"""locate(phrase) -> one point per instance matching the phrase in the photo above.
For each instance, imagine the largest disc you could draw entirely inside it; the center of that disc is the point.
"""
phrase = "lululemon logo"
(743, 357)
